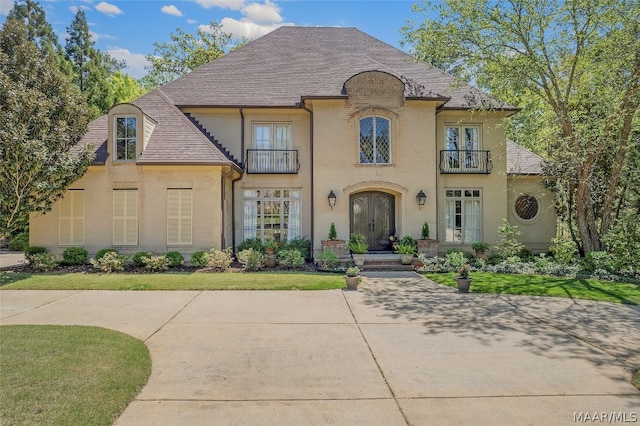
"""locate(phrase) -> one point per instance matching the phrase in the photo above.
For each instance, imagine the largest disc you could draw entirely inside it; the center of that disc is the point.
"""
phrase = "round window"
(527, 207)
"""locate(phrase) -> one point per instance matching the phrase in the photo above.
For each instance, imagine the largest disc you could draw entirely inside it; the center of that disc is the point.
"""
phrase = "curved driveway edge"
(401, 350)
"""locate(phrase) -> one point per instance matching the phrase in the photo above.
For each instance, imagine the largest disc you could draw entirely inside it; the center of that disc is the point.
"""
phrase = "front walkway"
(398, 351)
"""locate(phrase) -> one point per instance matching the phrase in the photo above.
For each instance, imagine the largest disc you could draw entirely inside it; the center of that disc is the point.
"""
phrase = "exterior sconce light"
(421, 198)
(332, 199)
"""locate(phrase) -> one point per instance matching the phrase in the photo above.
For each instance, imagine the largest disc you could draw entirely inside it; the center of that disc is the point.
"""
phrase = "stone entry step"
(384, 262)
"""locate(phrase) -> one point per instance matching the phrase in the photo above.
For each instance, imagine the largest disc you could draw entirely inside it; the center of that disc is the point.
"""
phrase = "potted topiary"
(358, 247)
(352, 277)
(426, 245)
(339, 247)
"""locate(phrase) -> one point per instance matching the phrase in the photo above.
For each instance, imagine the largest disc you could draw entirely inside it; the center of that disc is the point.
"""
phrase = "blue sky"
(127, 29)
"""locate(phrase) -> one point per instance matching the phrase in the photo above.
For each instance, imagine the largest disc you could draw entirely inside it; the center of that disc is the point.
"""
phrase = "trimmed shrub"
(251, 243)
(44, 261)
(156, 262)
(175, 259)
(200, 259)
(74, 256)
(20, 242)
(30, 251)
(301, 244)
(102, 252)
(220, 260)
(138, 258)
(290, 258)
(251, 259)
(110, 261)
(327, 260)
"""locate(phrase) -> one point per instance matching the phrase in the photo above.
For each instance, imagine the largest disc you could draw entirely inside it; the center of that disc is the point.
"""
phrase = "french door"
(373, 215)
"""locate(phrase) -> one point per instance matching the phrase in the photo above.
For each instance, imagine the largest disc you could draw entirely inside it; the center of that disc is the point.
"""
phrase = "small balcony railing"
(272, 161)
(465, 161)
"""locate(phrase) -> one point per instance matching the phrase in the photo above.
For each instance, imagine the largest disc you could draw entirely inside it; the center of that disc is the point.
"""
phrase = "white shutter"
(125, 217)
(71, 219)
(179, 217)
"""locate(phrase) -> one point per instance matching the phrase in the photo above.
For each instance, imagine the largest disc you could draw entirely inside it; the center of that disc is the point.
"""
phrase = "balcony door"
(373, 215)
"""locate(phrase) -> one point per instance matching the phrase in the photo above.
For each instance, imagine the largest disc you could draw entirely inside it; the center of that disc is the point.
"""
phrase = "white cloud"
(245, 28)
(136, 62)
(108, 9)
(266, 13)
(191, 21)
(223, 4)
(6, 6)
(171, 10)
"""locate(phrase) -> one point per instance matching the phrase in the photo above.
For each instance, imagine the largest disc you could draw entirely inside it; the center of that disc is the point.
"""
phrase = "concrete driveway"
(399, 351)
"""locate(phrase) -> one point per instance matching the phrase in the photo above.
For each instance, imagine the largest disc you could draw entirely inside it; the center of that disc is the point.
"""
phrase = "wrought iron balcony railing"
(272, 161)
(465, 161)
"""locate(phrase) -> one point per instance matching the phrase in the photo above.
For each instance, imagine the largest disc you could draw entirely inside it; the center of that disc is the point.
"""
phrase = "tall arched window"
(375, 140)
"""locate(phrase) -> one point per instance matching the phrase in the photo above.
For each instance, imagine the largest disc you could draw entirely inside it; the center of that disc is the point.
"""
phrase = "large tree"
(43, 116)
(575, 66)
(39, 31)
(184, 53)
(91, 67)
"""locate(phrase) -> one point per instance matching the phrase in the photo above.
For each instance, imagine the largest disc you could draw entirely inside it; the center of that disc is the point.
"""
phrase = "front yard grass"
(537, 285)
(173, 281)
(68, 375)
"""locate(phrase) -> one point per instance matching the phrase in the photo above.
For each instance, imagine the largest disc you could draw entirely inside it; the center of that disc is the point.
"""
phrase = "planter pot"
(463, 284)
(339, 247)
(358, 259)
(481, 254)
(270, 261)
(406, 259)
(352, 282)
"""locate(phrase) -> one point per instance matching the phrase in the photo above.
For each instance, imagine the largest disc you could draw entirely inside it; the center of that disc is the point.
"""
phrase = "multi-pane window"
(125, 217)
(272, 135)
(179, 217)
(375, 140)
(463, 215)
(125, 138)
(71, 219)
(461, 142)
(272, 214)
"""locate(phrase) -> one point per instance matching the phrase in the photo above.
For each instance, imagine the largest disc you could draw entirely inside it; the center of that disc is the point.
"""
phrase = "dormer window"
(125, 142)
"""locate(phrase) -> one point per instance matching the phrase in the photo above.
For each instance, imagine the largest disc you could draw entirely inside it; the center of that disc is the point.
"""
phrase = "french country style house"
(253, 144)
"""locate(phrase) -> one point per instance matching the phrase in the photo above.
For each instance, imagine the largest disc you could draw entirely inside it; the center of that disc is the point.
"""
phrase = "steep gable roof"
(291, 63)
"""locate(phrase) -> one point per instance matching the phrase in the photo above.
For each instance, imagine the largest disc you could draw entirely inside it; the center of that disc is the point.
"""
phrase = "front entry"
(373, 215)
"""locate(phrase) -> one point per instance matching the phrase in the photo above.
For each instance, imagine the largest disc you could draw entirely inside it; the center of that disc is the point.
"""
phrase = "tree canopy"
(43, 117)
(574, 66)
(184, 53)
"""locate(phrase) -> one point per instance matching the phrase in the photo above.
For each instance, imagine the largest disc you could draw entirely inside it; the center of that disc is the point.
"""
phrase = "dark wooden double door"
(373, 215)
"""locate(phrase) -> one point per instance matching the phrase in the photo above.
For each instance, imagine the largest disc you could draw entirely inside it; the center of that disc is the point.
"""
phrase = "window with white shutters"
(71, 219)
(125, 217)
(179, 217)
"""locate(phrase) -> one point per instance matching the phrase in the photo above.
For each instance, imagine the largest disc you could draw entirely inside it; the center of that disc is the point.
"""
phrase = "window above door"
(375, 140)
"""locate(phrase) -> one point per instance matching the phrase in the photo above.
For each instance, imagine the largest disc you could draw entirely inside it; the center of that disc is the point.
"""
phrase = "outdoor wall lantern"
(332, 199)
(421, 198)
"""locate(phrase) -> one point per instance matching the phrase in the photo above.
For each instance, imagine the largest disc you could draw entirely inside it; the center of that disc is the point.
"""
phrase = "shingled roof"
(291, 63)
(521, 161)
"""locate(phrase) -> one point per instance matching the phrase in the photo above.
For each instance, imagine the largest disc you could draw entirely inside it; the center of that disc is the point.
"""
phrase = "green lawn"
(68, 375)
(173, 281)
(536, 285)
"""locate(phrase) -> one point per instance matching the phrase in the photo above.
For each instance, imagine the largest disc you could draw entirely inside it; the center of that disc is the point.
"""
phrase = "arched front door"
(373, 215)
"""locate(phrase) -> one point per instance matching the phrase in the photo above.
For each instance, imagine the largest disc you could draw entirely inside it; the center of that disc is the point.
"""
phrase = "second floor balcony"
(272, 161)
(465, 161)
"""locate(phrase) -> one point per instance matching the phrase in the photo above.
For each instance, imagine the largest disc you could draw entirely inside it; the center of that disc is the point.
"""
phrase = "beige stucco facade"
(324, 134)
